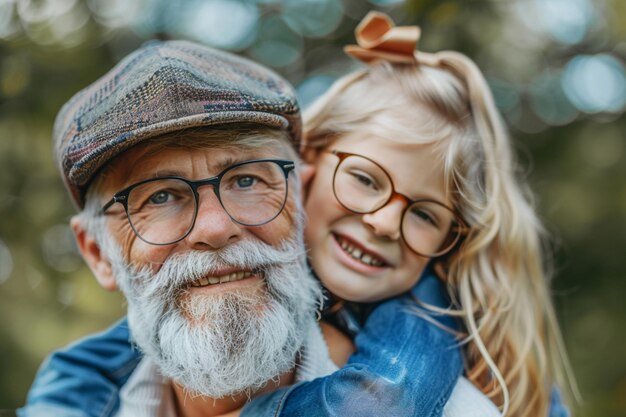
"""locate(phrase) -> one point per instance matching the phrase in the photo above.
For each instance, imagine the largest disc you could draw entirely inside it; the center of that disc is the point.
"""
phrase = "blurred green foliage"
(567, 119)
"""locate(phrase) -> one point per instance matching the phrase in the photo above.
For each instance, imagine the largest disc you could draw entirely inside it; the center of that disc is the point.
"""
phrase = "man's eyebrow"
(226, 162)
(217, 166)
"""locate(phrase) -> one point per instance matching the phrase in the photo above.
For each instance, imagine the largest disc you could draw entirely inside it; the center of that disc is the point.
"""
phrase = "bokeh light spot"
(59, 249)
(7, 24)
(595, 83)
(220, 23)
(505, 94)
(548, 100)
(313, 87)
(278, 45)
(41, 11)
(115, 13)
(6, 262)
(66, 28)
(66, 293)
(313, 18)
(567, 21)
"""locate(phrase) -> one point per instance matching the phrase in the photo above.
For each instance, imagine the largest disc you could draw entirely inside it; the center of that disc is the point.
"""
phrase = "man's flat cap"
(164, 87)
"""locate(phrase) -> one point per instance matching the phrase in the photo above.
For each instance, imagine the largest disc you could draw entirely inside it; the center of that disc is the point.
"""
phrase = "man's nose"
(386, 221)
(213, 228)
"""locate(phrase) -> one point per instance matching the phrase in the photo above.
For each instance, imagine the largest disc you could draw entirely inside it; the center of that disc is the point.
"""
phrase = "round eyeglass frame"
(122, 195)
(460, 224)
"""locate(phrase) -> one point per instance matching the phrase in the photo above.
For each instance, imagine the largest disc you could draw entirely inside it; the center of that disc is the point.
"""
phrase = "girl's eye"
(160, 197)
(424, 216)
(364, 180)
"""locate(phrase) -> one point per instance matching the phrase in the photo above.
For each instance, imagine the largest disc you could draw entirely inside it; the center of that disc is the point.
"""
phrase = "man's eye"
(245, 181)
(160, 197)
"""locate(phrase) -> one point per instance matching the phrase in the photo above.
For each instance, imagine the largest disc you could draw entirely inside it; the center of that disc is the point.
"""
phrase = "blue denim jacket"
(84, 379)
(404, 365)
(401, 360)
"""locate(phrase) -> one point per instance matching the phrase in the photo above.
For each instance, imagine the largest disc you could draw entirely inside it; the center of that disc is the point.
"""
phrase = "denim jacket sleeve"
(84, 379)
(404, 365)
(557, 406)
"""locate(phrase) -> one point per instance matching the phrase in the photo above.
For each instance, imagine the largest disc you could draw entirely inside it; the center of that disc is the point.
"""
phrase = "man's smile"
(221, 279)
(229, 280)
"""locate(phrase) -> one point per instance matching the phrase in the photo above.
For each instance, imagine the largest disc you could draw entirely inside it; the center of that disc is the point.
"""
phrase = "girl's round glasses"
(362, 186)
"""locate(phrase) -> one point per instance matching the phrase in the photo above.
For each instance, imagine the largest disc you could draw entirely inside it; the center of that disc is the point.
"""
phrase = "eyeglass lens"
(163, 211)
(362, 186)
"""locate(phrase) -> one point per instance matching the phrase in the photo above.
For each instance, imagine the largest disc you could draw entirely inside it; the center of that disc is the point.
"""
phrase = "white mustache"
(180, 270)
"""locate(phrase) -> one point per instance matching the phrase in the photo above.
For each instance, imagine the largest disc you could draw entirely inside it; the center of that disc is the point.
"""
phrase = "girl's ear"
(309, 155)
(307, 172)
(90, 250)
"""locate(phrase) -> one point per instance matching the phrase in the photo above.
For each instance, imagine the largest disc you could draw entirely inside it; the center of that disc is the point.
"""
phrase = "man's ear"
(90, 250)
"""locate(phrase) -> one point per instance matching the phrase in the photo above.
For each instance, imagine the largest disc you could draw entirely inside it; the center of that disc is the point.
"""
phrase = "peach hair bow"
(379, 39)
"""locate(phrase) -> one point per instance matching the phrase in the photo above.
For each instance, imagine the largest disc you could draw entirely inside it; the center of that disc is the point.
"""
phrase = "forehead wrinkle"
(214, 169)
(134, 165)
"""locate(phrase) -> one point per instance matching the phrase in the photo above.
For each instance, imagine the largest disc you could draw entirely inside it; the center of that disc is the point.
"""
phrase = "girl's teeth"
(359, 255)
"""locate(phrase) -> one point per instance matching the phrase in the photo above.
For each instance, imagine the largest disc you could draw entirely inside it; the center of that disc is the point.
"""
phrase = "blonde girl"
(498, 276)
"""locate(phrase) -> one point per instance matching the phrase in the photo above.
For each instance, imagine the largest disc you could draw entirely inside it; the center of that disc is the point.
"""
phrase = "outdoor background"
(556, 67)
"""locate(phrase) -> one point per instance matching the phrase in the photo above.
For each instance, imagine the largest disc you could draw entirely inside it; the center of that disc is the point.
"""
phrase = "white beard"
(229, 343)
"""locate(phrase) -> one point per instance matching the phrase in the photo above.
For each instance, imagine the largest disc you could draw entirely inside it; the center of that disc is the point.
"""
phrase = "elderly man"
(182, 162)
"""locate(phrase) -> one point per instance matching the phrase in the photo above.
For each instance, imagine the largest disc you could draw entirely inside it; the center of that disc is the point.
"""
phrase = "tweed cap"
(164, 87)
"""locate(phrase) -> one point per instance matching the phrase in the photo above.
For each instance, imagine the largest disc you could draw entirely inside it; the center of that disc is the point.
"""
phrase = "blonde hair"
(497, 279)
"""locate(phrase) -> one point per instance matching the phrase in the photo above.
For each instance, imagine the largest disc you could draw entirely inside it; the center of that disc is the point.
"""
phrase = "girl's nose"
(387, 220)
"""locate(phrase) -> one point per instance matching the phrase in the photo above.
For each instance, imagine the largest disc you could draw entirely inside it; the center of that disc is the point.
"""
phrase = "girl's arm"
(404, 365)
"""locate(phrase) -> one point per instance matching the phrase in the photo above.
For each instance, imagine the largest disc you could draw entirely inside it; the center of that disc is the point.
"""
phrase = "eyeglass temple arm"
(115, 199)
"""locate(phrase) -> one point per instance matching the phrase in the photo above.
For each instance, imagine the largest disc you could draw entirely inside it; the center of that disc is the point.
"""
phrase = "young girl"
(414, 172)
(426, 125)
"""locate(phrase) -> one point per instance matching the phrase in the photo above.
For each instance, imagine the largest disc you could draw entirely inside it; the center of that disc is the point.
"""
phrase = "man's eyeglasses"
(362, 186)
(163, 210)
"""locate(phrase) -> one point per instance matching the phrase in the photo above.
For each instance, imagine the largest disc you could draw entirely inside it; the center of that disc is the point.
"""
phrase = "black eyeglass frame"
(461, 226)
(122, 196)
